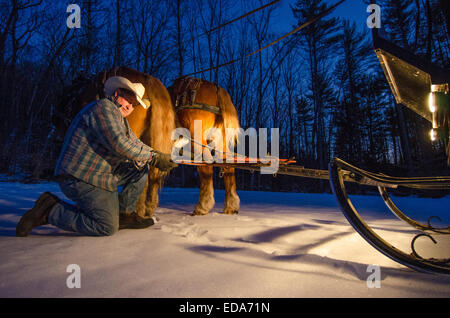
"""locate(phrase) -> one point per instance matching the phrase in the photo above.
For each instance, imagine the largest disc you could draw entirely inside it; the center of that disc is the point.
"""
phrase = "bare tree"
(260, 23)
(119, 9)
(150, 34)
(318, 42)
(291, 82)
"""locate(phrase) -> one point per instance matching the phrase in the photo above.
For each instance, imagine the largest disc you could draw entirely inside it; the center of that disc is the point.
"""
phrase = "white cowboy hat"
(115, 82)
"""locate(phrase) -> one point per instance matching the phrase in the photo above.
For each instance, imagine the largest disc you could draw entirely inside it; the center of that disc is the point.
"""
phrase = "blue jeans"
(97, 210)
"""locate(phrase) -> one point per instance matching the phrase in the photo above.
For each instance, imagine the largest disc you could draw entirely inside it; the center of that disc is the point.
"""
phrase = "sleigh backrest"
(409, 76)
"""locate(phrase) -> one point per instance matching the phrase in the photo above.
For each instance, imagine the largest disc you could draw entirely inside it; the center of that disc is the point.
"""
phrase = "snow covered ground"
(280, 245)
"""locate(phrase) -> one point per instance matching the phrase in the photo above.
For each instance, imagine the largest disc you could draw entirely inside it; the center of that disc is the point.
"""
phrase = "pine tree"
(417, 26)
(317, 41)
(349, 117)
(303, 123)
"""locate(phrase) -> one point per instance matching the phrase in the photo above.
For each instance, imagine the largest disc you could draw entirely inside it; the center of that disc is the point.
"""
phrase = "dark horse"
(155, 126)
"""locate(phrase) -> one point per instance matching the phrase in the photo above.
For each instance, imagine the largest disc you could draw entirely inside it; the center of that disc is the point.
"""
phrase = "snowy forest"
(322, 87)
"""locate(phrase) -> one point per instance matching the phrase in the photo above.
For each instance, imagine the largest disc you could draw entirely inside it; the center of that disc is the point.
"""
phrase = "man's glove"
(162, 161)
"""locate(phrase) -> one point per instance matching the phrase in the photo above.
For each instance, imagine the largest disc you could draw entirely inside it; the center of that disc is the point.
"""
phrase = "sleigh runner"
(340, 172)
(424, 88)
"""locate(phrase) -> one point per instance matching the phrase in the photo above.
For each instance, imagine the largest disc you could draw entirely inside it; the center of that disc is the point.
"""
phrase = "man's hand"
(162, 161)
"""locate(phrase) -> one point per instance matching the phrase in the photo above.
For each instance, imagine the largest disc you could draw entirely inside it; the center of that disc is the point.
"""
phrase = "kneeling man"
(100, 153)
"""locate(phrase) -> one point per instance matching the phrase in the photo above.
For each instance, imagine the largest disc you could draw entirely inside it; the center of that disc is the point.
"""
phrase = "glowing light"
(431, 103)
(433, 135)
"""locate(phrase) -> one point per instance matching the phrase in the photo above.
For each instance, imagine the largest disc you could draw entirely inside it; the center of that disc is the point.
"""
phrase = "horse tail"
(162, 116)
(230, 117)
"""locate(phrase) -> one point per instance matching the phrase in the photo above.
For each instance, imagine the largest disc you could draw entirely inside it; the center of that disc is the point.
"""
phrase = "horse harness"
(184, 96)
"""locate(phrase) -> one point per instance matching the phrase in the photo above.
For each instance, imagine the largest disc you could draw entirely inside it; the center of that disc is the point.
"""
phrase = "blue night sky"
(355, 10)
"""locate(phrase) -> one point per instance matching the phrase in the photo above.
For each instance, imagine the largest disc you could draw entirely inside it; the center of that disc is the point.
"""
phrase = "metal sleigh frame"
(338, 167)
(340, 172)
(422, 87)
(412, 81)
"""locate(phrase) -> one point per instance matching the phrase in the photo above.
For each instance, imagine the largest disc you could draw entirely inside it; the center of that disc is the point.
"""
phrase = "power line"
(326, 12)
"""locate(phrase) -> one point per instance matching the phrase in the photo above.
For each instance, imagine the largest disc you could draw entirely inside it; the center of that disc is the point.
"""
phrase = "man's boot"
(38, 215)
(134, 221)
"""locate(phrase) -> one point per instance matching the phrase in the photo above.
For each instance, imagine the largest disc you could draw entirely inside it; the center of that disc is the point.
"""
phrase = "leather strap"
(201, 106)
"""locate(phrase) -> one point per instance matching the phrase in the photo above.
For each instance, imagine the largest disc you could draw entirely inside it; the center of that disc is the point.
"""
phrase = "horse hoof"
(198, 213)
(232, 212)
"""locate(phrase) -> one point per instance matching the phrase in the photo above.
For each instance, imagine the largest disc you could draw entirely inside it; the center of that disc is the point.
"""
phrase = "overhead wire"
(304, 25)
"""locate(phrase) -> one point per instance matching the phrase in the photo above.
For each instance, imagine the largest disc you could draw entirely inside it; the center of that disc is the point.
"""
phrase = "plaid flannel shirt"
(97, 141)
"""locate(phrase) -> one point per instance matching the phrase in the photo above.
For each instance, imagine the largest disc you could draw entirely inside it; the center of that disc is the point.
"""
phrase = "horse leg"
(149, 200)
(206, 198)
(232, 201)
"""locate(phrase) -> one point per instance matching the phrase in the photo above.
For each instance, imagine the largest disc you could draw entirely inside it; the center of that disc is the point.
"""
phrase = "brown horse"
(153, 126)
(200, 100)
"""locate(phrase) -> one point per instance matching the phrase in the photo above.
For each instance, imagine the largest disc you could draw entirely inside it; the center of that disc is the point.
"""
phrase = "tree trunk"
(117, 48)
(179, 39)
(445, 7)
